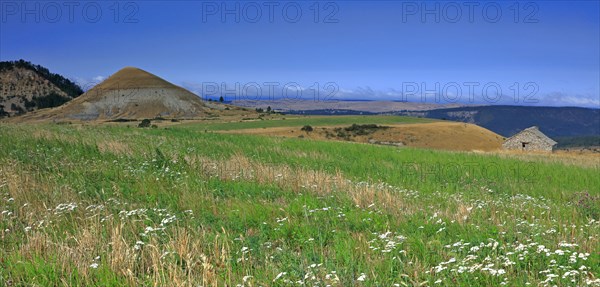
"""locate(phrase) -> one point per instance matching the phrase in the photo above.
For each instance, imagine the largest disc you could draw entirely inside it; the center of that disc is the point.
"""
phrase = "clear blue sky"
(370, 50)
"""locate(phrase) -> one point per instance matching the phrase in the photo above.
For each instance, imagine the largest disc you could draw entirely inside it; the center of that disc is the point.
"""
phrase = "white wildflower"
(279, 276)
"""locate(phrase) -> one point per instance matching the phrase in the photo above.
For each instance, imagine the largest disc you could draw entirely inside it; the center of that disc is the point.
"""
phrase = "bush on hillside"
(307, 128)
(145, 123)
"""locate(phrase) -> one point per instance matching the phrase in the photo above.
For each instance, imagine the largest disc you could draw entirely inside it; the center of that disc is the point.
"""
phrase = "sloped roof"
(536, 131)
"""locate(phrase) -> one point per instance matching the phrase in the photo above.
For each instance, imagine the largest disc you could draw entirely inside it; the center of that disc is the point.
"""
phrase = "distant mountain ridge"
(509, 120)
(504, 120)
(25, 87)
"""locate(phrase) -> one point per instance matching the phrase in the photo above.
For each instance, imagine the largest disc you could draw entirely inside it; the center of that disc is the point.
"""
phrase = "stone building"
(529, 139)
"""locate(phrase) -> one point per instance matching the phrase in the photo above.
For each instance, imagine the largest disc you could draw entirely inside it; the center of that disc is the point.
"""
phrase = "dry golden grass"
(44, 134)
(77, 250)
(155, 259)
(239, 167)
(437, 135)
(115, 147)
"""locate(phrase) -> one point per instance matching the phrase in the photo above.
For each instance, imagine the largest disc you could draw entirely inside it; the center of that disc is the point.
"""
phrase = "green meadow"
(111, 205)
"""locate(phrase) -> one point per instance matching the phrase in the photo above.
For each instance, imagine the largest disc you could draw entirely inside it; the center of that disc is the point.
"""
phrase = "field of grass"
(299, 121)
(113, 206)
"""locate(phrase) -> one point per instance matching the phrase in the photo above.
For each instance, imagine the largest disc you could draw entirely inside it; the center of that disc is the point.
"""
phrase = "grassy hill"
(411, 132)
(112, 205)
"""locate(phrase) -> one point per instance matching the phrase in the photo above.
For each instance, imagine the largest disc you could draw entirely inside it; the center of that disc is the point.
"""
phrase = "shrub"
(362, 130)
(144, 124)
(307, 128)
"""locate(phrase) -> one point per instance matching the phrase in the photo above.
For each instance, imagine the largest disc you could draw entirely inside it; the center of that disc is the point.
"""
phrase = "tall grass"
(113, 206)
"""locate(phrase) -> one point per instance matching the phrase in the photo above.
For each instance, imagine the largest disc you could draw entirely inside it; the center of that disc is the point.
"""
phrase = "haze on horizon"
(520, 53)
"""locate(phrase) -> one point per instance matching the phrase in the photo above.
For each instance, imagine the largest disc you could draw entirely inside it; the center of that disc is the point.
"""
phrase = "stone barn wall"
(527, 141)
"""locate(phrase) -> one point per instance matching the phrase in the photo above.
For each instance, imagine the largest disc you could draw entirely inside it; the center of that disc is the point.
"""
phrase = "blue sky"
(547, 53)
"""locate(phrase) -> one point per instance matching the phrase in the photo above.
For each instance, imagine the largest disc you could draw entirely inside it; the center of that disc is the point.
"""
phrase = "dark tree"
(19, 110)
(3, 113)
(221, 99)
(307, 128)
(145, 123)
(51, 100)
